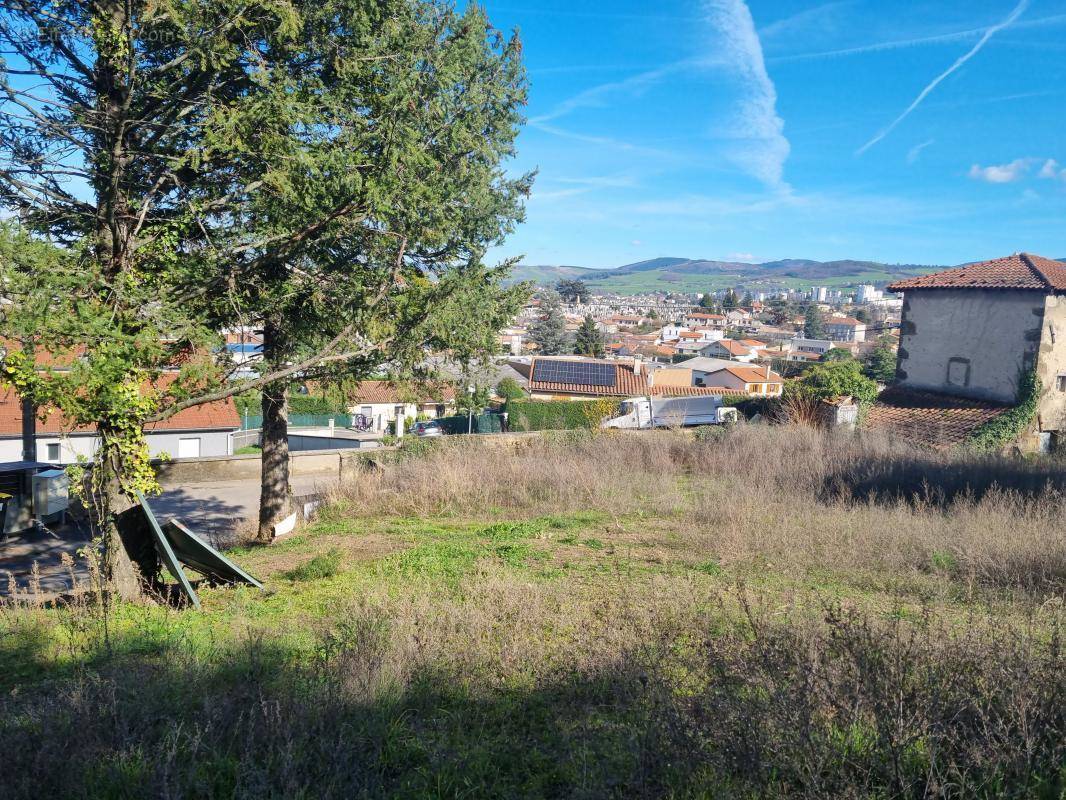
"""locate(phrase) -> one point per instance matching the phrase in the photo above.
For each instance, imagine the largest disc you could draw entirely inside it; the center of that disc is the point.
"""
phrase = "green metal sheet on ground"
(195, 553)
(166, 552)
(178, 546)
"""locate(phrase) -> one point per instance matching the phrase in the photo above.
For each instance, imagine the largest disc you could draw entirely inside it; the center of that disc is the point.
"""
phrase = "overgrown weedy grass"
(757, 613)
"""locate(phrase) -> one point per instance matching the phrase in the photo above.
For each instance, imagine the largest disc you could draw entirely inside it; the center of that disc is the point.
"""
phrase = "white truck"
(672, 412)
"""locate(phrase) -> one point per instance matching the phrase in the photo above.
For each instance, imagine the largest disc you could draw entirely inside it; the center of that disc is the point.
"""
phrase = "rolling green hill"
(695, 275)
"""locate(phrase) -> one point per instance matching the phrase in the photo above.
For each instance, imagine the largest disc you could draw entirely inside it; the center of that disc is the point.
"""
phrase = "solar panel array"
(582, 373)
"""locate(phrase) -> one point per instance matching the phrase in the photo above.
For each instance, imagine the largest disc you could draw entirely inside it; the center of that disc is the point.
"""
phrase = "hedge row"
(557, 415)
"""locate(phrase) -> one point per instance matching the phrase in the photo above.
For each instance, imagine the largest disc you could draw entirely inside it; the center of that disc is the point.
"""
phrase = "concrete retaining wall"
(337, 463)
(182, 471)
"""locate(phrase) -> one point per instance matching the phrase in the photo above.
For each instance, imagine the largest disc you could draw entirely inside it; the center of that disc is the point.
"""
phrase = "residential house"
(731, 349)
(974, 331)
(845, 329)
(800, 349)
(756, 381)
(560, 378)
(702, 319)
(383, 401)
(205, 430)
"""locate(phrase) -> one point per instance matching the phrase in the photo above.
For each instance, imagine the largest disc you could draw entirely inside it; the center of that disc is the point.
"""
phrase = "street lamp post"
(470, 410)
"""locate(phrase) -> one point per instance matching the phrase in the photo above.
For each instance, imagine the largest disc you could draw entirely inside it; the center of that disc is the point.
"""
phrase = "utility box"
(51, 493)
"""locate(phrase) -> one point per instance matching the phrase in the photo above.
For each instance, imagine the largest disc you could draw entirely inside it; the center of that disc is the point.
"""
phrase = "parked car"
(427, 428)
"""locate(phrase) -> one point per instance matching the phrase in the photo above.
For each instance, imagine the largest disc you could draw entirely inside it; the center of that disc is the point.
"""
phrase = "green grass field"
(759, 613)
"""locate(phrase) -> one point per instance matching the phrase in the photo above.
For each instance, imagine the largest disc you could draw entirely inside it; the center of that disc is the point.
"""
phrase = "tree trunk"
(275, 494)
(122, 576)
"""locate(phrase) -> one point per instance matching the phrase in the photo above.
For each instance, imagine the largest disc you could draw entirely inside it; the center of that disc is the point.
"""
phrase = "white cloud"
(1052, 170)
(916, 151)
(809, 19)
(940, 38)
(636, 242)
(1016, 170)
(1002, 173)
(759, 131)
(988, 34)
(744, 258)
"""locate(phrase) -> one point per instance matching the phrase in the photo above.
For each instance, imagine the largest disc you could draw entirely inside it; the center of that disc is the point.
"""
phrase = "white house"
(205, 430)
(845, 329)
(383, 401)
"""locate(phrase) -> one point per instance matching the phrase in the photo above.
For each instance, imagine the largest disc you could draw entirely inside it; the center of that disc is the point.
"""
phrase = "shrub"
(997, 433)
(837, 379)
(555, 415)
(509, 389)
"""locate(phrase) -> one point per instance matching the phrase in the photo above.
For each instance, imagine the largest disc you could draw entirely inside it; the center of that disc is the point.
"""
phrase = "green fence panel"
(481, 423)
(254, 421)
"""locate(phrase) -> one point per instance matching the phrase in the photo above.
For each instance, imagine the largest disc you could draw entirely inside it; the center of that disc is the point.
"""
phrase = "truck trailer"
(672, 412)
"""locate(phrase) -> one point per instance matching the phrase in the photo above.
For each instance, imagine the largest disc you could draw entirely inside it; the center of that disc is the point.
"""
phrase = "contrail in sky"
(988, 34)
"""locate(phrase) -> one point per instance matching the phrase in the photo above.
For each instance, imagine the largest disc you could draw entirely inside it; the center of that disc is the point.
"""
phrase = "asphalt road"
(216, 511)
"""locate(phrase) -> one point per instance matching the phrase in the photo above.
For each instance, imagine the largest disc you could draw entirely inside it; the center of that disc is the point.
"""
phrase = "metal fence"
(254, 421)
(481, 423)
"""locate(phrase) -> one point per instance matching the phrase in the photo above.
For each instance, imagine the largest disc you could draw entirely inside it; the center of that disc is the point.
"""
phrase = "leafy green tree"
(880, 364)
(548, 332)
(467, 402)
(813, 323)
(862, 315)
(589, 340)
(837, 354)
(509, 389)
(827, 381)
(572, 290)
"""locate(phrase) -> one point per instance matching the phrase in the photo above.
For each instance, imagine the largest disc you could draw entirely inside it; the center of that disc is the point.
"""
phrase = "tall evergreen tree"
(589, 340)
(814, 323)
(572, 290)
(730, 301)
(709, 303)
(549, 330)
(246, 162)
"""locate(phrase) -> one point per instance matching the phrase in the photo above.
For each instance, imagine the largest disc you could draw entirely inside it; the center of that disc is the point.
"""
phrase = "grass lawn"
(759, 613)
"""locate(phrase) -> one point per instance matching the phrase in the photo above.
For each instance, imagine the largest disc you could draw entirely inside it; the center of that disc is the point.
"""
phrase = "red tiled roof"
(734, 347)
(751, 374)
(693, 391)
(220, 415)
(392, 392)
(1020, 271)
(927, 418)
(851, 322)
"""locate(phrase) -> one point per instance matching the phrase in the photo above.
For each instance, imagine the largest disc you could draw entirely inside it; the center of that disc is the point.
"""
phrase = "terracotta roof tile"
(393, 392)
(1020, 271)
(927, 418)
(220, 415)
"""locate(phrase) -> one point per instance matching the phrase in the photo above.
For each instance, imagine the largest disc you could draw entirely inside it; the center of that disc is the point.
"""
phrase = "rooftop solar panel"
(582, 373)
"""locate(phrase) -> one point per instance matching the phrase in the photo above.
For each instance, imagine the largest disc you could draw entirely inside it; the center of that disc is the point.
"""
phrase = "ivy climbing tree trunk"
(275, 492)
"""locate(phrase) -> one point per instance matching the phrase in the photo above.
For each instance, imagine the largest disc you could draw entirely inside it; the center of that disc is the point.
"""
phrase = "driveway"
(216, 510)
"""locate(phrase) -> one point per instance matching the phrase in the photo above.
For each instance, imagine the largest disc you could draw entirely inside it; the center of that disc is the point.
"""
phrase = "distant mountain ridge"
(687, 274)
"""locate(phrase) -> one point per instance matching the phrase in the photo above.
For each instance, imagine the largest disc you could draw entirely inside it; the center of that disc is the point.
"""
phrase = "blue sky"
(891, 130)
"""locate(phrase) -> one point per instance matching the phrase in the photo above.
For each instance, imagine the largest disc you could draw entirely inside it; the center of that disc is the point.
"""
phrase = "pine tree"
(589, 341)
(814, 323)
(709, 302)
(549, 331)
(730, 301)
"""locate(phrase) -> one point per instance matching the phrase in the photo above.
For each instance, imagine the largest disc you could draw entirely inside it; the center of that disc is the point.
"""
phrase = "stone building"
(974, 331)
